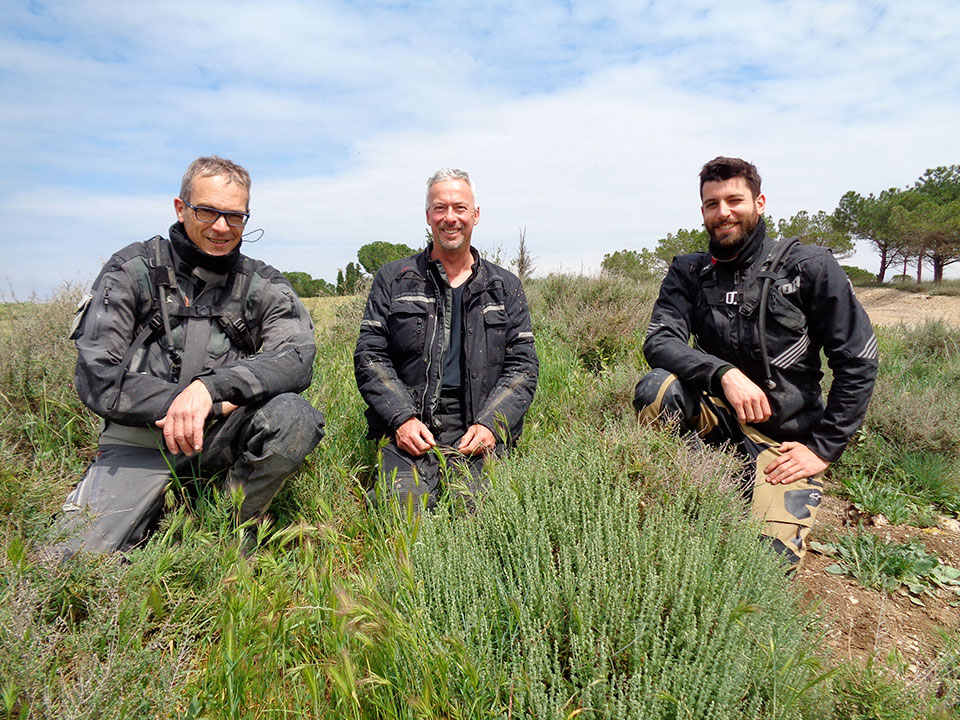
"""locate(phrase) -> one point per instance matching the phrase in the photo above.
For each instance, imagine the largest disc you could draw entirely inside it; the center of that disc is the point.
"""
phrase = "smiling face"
(451, 215)
(730, 212)
(214, 191)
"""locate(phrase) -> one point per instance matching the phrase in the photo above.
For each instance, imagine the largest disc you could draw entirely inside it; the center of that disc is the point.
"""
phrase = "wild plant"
(872, 692)
(886, 565)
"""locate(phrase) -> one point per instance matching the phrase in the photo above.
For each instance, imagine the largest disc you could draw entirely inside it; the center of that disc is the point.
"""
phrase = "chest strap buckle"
(733, 297)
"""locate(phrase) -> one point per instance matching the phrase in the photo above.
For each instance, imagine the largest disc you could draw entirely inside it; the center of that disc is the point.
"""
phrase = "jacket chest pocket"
(785, 312)
(407, 324)
(713, 320)
(495, 332)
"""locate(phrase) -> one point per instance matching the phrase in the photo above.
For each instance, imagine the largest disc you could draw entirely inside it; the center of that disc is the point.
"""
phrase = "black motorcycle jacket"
(811, 307)
(406, 325)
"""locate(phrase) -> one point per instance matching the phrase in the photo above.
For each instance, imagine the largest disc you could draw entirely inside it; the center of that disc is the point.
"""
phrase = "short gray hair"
(210, 166)
(450, 174)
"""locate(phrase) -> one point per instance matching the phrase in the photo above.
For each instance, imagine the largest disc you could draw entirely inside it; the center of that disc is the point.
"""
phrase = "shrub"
(858, 276)
(603, 319)
(584, 591)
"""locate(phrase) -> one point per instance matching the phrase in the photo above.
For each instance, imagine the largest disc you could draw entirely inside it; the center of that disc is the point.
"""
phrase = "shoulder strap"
(162, 279)
(767, 274)
(231, 320)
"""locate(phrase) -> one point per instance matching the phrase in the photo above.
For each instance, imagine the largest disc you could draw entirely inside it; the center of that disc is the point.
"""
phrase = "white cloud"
(586, 123)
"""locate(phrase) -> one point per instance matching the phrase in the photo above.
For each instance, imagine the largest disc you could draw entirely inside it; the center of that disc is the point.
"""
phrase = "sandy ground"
(887, 306)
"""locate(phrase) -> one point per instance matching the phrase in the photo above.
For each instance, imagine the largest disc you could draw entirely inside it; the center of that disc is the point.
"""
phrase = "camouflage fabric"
(787, 511)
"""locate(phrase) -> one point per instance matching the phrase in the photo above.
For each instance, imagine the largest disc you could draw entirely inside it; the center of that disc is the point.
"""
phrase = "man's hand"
(183, 424)
(745, 397)
(477, 438)
(796, 462)
(414, 438)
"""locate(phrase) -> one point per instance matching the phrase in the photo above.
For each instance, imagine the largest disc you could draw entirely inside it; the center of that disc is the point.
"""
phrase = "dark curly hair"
(724, 168)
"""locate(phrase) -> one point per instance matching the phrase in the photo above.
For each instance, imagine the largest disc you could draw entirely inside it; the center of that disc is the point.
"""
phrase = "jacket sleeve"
(839, 323)
(377, 378)
(511, 396)
(107, 328)
(667, 344)
(284, 362)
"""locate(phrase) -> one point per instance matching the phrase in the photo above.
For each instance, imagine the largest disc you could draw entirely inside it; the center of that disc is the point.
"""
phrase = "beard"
(729, 245)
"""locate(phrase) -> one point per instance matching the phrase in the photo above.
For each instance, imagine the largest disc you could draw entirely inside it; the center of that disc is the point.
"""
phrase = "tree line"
(917, 226)
(911, 228)
(370, 256)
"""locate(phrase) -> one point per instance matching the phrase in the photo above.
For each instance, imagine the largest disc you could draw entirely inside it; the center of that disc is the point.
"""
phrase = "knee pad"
(662, 392)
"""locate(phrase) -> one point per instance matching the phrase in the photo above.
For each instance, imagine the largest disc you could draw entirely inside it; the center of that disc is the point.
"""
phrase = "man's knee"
(788, 540)
(294, 422)
(660, 395)
(115, 503)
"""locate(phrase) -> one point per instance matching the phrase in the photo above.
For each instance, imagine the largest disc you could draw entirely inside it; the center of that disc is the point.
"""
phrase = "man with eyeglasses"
(192, 354)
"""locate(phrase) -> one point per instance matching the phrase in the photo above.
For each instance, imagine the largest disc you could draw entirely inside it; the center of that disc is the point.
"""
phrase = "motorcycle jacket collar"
(193, 257)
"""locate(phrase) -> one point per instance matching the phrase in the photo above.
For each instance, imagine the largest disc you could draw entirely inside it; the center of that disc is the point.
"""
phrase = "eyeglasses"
(211, 215)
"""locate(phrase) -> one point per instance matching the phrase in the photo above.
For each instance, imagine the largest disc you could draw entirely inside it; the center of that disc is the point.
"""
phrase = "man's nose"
(221, 225)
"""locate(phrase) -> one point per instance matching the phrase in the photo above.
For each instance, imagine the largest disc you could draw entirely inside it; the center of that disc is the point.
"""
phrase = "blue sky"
(584, 122)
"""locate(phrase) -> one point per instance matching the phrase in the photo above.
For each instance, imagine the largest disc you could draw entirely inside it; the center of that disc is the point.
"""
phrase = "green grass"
(608, 573)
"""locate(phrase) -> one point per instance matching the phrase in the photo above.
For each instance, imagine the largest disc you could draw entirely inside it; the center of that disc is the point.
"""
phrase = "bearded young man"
(760, 312)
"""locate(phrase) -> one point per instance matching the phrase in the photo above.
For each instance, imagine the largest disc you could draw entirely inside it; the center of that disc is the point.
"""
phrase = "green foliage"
(603, 320)
(869, 693)
(630, 264)
(888, 565)
(683, 243)
(376, 254)
(647, 266)
(928, 217)
(917, 398)
(607, 572)
(306, 286)
(349, 281)
(869, 218)
(818, 229)
(902, 485)
(573, 595)
(858, 276)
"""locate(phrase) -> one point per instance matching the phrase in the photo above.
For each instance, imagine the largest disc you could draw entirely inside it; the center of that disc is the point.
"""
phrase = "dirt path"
(887, 306)
(860, 622)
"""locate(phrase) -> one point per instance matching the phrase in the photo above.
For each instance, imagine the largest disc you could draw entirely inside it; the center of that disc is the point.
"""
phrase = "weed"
(887, 565)
(869, 693)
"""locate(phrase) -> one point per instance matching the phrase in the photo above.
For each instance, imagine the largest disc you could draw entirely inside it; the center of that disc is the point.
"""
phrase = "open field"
(889, 306)
(608, 573)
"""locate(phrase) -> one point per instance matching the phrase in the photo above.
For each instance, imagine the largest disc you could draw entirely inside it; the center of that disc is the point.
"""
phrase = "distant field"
(323, 309)
(7, 312)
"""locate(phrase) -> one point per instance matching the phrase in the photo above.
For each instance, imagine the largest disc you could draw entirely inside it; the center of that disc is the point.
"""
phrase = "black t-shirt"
(452, 360)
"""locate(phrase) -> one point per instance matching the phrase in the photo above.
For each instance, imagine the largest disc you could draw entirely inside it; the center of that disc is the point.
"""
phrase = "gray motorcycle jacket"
(811, 307)
(121, 303)
(399, 356)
